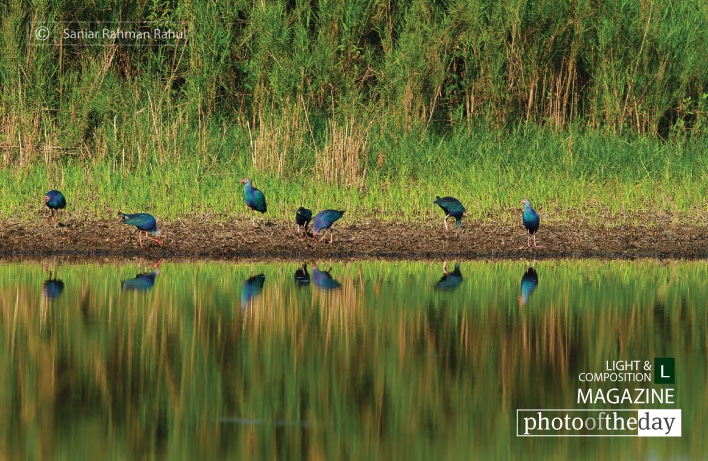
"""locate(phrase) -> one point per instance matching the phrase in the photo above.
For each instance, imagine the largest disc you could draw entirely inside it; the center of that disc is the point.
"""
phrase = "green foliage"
(370, 105)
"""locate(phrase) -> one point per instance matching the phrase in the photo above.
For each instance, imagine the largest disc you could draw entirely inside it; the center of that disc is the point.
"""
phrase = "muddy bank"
(205, 239)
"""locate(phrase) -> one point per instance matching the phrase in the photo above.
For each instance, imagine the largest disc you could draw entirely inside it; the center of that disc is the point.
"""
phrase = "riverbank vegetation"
(376, 107)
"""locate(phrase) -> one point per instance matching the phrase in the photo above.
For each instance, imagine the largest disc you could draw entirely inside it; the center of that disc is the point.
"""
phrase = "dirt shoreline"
(199, 239)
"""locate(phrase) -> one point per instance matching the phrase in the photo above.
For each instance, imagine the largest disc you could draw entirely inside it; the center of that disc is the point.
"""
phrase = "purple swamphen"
(324, 220)
(323, 279)
(303, 216)
(55, 200)
(252, 287)
(529, 282)
(452, 208)
(450, 280)
(531, 221)
(145, 223)
(254, 198)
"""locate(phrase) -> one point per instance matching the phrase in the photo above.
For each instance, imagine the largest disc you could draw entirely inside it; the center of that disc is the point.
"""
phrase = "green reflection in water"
(396, 362)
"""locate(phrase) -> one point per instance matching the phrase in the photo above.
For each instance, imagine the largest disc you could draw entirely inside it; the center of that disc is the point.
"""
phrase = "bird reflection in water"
(252, 287)
(143, 281)
(529, 282)
(323, 279)
(450, 280)
(302, 277)
(53, 286)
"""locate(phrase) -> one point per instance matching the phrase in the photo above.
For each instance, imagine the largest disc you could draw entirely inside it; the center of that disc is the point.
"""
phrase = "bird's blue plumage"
(450, 280)
(529, 282)
(322, 279)
(141, 282)
(251, 287)
(52, 288)
(325, 219)
(143, 221)
(530, 218)
(55, 200)
(303, 216)
(253, 197)
(452, 207)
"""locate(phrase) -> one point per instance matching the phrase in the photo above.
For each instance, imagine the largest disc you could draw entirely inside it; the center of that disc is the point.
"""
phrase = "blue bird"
(55, 201)
(324, 220)
(531, 221)
(450, 280)
(303, 216)
(254, 198)
(322, 279)
(52, 288)
(529, 282)
(145, 223)
(141, 282)
(252, 287)
(452, 208)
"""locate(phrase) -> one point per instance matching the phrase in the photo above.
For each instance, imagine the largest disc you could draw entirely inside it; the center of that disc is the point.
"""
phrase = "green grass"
(566, 175)
(591, 107)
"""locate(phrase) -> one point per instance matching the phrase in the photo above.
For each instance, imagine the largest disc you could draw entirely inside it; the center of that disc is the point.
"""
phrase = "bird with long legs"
(146, 224)
(452, 208)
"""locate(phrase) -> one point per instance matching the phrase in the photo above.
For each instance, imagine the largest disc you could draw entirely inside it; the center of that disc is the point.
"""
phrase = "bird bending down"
(145, 223)
(55, 201)
(531, 222)
(303, 216)
(254, 198)
(322, 278)
(452, 208)
(324, 220)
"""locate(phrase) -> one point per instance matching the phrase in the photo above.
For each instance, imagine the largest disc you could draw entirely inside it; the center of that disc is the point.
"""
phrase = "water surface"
(368, 360)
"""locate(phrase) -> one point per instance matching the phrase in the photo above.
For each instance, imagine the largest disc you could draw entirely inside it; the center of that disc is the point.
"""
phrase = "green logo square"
(664, 370)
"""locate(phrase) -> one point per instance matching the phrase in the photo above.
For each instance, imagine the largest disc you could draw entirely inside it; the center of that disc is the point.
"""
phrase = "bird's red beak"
(243, 181)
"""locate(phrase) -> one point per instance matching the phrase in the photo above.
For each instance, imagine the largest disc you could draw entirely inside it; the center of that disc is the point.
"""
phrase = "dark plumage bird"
(52, 288)
(254, 198)
(303, 216)
(55, 201)
(450, 280)
(322, 279)
(452, 208)
(302, 277)
(251, 288)
(141, 282)
(529, 282)
(324, 220)
(531, 221)
(145, 223)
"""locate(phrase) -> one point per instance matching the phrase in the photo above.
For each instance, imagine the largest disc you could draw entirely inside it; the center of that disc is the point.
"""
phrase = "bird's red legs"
(157, 240)
(330, 242)
(445, 220)
(528, 241)
(46, 217)
(445, 267)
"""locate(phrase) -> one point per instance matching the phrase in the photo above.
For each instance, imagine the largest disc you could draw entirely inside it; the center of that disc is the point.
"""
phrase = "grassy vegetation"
(369, 106)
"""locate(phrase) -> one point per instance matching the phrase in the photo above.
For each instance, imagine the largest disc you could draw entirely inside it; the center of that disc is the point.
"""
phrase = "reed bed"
(373, 107)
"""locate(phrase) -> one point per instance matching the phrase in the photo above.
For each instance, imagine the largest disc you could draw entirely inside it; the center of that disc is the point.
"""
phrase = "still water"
(366, 360)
